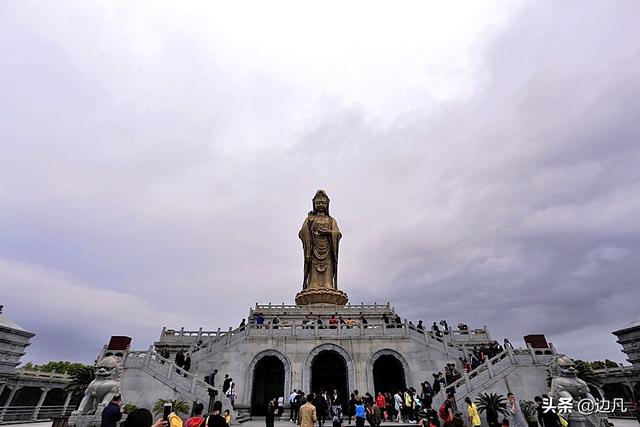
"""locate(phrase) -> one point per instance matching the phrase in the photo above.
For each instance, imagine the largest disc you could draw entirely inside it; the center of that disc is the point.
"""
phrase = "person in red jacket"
(381, 402)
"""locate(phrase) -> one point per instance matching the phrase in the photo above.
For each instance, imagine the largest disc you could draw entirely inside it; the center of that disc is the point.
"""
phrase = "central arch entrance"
(388, 374)
(268, 382)
(329, 372)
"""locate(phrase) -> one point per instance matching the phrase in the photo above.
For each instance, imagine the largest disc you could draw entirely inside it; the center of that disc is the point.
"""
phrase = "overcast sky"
(158, 159)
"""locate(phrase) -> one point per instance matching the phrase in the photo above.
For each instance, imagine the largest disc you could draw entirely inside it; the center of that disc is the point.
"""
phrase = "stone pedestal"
(321, 296)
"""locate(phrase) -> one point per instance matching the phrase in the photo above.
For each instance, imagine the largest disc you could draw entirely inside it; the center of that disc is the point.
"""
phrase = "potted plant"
(492, 404)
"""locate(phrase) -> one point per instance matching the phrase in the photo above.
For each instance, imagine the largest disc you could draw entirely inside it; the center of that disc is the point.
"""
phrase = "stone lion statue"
(564, 381)
(102, 389)
(565, 384)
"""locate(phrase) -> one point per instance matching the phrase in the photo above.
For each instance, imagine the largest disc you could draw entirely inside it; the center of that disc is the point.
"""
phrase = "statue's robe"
(321, 250)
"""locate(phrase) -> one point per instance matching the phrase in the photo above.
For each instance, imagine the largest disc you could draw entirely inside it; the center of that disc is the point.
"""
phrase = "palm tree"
(178, 406)
(80, 379)
(496, 401)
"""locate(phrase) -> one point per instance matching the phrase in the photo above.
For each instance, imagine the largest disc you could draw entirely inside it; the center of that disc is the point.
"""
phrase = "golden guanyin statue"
(320, 237)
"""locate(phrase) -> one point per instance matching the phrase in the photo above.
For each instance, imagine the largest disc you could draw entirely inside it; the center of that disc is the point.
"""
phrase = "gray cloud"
(154, 177)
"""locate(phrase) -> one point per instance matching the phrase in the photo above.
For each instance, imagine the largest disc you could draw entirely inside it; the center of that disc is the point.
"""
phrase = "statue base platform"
(321, 296)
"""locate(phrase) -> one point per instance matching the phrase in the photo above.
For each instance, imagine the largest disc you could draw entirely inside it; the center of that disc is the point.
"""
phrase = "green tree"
(80, 379)
(584, 371)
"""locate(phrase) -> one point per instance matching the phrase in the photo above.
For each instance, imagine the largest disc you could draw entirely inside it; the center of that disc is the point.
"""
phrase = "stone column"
(43, 396)
(8, 402)
(67, 400)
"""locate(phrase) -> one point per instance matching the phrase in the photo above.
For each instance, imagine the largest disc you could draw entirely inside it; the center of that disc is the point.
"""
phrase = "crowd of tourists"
(336, 321)
(142, 417)
(404, 406)
(308, 410)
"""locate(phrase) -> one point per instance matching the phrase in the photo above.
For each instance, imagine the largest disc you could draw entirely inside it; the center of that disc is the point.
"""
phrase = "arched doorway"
(388, 374)
(26, 396)
(329, 372)
(268, 382)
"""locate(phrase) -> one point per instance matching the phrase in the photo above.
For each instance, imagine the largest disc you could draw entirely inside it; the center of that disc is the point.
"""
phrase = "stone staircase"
(494, 370)
(187, 386)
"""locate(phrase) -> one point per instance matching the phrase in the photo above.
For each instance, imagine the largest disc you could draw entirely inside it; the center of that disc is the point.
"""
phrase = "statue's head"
(562, 366)
(566, 367)
(321, 202)
(107, 366)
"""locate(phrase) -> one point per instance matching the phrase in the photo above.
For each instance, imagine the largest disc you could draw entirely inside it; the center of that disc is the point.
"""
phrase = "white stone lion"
(102, 389)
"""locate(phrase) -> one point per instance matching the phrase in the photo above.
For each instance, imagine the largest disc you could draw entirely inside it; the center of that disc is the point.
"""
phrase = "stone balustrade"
(494, 367)
(445, 340)
(24, 373)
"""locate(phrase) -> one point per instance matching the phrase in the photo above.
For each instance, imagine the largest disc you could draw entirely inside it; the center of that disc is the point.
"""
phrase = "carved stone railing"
(164, 370)
(16, 414)
(213, 340)
(352, 309)
(28, 373)
(493, 368)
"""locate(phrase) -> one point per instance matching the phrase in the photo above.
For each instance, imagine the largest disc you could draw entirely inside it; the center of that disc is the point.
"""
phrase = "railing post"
(147, 356)
(510, 353)
(199, 335)
(67, 400)
(467, 382)
(162, 334)
(229, 335)
(446, 347)
(486, 331)
(533, 353)
(36, 411)
(193, 384)
(405, 325)
(489, 367)
(8, 402)
(181, 334)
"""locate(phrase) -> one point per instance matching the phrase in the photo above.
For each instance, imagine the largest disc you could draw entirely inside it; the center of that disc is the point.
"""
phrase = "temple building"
(28, 394)
(322, 342)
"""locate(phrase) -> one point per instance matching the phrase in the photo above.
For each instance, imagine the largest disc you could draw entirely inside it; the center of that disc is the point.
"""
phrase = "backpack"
(360, 411)
(442, 411)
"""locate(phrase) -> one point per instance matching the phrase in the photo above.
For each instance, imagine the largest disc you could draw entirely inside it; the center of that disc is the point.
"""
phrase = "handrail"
(12, 414)
(508, 354)
(191, 337)
(42, 374)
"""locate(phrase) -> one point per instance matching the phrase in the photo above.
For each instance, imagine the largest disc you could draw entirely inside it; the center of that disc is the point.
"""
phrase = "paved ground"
(618, 422)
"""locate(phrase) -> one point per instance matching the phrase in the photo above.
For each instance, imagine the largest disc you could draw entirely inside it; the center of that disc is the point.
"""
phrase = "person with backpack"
(335, 411)
(445, 412)
(196, 420)
(361, 413)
